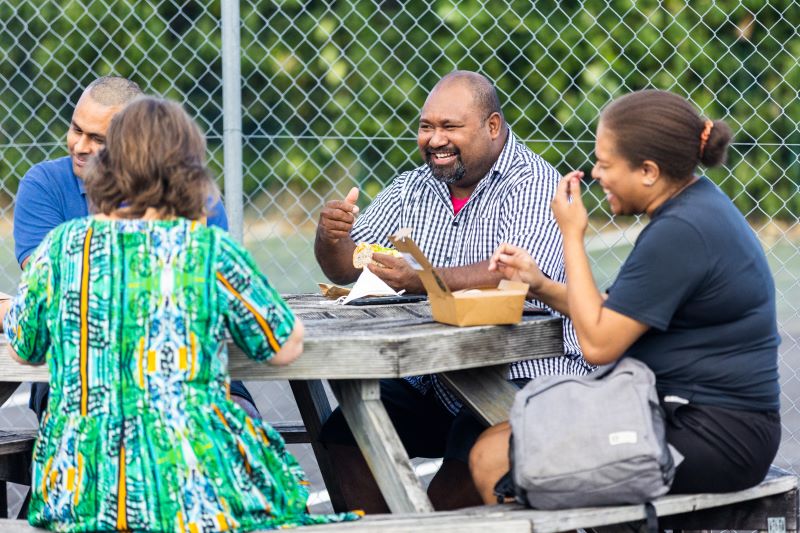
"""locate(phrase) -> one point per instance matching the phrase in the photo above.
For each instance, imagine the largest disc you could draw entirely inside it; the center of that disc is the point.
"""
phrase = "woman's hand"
(568, 208)
(516, 264)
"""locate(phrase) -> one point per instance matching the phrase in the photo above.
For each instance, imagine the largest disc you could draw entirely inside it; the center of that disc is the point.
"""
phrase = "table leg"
(315, 410)
(376, 437)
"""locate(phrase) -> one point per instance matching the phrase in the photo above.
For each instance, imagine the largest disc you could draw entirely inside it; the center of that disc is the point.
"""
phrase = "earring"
(649, 183)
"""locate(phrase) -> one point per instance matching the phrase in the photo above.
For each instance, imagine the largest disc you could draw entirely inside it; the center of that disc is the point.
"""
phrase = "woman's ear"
(650, 173)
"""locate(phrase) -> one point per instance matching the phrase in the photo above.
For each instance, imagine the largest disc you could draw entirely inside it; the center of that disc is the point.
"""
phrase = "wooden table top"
(381, 341)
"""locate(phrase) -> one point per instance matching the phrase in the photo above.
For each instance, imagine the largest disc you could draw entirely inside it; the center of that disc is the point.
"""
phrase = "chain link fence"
(331, 92)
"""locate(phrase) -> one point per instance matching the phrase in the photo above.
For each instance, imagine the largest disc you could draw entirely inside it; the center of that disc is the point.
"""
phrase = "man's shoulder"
(50, 171)
(527, 164)
(407, 183)
(414, 175)
(518, 167)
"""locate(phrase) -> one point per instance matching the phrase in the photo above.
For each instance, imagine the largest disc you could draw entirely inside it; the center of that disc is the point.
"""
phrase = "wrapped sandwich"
(362, 255)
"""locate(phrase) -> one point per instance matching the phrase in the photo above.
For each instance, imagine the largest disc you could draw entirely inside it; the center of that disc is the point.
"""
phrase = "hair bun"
(716, 147)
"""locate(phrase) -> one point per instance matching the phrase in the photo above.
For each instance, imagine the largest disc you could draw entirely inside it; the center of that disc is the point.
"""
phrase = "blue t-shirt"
(699, 278)
(50, 194)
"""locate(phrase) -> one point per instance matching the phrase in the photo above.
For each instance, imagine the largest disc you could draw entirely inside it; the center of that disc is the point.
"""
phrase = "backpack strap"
(504, 488)
(651, 520)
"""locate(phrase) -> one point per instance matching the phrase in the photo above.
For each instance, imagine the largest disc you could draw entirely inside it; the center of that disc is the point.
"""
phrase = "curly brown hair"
(154, 156)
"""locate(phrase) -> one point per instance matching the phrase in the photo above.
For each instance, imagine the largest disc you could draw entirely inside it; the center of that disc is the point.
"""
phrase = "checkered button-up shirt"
(510, 204)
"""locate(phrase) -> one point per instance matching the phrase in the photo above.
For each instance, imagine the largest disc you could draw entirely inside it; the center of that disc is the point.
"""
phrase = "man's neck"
(457, 191)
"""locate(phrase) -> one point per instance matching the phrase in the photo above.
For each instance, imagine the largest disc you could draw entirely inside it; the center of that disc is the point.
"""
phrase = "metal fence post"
(232, 116)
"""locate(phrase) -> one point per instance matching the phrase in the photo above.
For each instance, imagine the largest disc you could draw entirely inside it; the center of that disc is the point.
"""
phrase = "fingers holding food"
(362, 255)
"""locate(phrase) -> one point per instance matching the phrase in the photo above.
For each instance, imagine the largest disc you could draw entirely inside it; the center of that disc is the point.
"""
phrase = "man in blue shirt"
(52, 192)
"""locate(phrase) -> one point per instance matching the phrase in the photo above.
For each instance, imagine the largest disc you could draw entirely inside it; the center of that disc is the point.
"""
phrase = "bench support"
(376, 437)
(778, 510)
(486, 391)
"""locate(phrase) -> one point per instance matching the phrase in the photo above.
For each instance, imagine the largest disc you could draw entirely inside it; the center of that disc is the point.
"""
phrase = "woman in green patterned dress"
(130, 309)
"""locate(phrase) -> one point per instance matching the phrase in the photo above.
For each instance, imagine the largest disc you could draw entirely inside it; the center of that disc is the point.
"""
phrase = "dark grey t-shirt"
(699, 278)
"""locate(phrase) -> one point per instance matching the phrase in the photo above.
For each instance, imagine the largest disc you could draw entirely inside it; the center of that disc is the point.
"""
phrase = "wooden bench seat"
(771, 506)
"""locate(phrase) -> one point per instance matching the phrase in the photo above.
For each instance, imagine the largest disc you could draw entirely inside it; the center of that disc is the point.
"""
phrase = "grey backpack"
(581, 441)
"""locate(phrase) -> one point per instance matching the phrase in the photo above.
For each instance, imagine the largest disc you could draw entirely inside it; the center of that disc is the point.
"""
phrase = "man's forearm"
(336, 259)
(470, 276)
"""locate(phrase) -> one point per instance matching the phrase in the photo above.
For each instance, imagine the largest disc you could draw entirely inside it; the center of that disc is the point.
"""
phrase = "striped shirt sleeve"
(529, 223)
(382, 217)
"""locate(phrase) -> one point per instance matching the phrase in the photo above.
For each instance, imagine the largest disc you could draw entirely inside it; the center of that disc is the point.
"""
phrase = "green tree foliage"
(332, 90)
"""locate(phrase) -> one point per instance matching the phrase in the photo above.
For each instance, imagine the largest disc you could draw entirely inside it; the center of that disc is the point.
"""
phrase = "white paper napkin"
(368, 284)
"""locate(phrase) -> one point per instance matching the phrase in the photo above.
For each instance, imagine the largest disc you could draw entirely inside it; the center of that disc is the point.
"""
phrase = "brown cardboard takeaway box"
(469, 307)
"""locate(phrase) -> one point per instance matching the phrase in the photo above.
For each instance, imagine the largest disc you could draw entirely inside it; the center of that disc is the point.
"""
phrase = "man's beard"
(447, 175)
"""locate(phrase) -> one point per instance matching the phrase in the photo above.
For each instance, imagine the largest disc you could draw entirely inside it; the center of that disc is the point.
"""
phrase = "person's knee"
(488, 448)
(477, 460)
(488, 459)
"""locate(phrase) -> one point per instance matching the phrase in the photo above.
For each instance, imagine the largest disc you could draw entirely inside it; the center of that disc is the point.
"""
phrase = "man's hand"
(397, 273)
(333, 246)
(337, 218)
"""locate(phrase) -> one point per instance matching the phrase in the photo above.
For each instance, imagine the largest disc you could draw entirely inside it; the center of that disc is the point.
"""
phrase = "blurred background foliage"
(332, 90)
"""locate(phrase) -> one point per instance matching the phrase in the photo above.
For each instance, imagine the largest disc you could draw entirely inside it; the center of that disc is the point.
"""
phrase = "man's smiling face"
(87, 131)
(453, 136)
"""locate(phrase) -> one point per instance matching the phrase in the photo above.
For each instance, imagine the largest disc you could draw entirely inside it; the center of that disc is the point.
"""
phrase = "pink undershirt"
(458, 203)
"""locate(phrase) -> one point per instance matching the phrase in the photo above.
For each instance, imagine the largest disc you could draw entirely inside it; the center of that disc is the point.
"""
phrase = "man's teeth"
(443, 155)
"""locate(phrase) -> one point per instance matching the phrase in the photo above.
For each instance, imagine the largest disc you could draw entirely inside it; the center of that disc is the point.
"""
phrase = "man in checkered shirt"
(479, 187)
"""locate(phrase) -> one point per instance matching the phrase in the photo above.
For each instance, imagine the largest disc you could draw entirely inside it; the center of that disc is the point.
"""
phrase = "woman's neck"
(668, 194)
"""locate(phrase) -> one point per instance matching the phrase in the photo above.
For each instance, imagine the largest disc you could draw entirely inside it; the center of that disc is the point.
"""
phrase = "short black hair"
(113, 90)
(482, 90)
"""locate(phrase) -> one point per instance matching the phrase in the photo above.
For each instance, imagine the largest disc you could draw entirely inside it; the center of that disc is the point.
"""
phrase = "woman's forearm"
(584, 301)
(553, 294)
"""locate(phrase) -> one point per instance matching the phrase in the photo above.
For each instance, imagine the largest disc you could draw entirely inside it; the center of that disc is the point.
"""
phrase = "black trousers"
(724, 450)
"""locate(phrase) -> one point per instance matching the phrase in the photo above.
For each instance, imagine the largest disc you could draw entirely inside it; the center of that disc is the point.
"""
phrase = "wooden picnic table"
(354, 347)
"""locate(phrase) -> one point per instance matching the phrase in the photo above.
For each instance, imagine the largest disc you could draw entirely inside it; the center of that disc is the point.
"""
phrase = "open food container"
(469, 307)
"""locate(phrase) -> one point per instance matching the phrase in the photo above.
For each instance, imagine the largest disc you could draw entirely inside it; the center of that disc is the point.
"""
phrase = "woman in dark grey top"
(695, 299)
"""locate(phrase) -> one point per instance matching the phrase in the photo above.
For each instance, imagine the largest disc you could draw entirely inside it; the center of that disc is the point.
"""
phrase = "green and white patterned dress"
(140, 433)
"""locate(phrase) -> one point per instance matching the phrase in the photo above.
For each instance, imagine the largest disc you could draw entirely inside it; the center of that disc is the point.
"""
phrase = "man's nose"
(439, 138)
(83, 145)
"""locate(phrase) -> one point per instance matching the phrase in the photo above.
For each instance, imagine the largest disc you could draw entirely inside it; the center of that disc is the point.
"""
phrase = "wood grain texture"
(16, 440)
(485, 391)
(748, 515)
(366, 343)
(378, 441)
(515, 518)
(381, 342)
